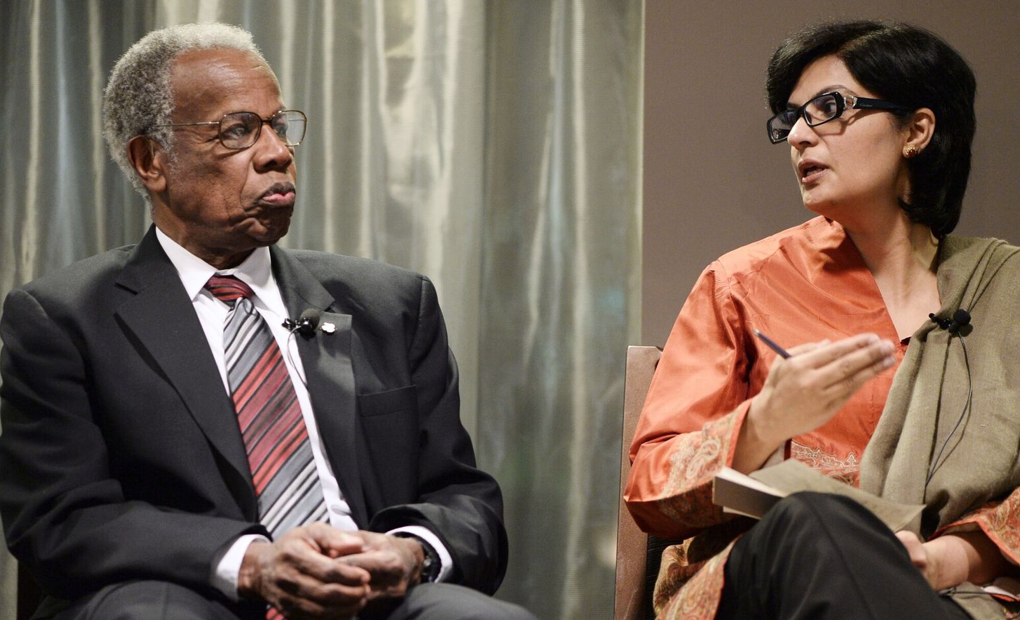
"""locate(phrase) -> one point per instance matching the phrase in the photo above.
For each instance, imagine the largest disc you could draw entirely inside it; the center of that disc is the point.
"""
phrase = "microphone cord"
(966, 405)
(290, 358)
(305, 325)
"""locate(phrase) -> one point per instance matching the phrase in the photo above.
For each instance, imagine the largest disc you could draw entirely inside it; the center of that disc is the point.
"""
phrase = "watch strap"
(431, 565)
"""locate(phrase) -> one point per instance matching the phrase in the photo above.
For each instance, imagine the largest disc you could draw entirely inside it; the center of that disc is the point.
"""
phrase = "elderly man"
(206, 426)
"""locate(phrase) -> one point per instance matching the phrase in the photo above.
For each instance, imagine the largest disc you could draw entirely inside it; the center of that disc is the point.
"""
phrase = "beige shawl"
(980, 460)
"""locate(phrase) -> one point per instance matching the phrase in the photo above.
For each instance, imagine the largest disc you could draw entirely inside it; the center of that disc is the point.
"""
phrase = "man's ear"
(920, 129)
(149, 161)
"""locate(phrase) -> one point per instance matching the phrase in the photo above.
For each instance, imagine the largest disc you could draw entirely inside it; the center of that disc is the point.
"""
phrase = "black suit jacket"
(120, 454)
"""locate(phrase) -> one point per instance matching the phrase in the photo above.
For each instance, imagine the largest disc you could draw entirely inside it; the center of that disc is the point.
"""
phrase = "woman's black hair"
(909, 66)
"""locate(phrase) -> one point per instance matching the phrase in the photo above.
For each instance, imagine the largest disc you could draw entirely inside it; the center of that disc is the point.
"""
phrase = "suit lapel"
(163, 320)
(326, 357)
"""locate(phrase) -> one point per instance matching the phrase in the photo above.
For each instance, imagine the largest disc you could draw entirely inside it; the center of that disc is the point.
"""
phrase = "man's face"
(221, 203)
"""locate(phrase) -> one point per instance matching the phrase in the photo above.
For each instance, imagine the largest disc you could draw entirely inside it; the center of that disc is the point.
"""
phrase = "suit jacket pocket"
(390, 401)
(389, 423)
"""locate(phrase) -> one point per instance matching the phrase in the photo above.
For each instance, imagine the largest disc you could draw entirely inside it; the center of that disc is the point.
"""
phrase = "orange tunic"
(804, 284)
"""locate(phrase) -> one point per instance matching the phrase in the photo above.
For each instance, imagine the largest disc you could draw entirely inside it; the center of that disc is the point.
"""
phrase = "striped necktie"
(275, 437)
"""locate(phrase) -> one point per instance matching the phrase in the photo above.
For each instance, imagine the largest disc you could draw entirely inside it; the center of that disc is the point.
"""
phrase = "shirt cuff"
(445, 559)
(227, 564)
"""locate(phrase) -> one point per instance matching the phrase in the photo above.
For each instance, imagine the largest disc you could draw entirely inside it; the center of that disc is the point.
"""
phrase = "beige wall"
(713, 182)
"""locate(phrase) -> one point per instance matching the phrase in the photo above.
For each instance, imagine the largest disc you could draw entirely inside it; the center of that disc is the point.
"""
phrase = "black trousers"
(817, 556)
(158, 600)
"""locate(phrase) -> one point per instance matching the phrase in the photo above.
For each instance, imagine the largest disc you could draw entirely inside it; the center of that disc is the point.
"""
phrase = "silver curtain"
(493, 145)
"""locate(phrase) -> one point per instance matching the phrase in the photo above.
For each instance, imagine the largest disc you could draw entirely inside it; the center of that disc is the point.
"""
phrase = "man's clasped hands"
(318, 571)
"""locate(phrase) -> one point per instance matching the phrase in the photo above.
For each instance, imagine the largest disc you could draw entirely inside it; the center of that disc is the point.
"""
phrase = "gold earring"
(911, 152)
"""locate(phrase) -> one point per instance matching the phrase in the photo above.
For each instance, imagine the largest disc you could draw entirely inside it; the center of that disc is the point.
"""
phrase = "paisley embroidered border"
(674, 571)
(699, 598)
(1000, 521)
(846, 470)
(699, 456)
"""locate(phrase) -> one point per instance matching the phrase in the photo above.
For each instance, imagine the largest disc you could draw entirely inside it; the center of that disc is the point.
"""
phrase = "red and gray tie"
(275, 437)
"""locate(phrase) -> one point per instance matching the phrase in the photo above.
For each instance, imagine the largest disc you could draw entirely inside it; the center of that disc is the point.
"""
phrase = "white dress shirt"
(256, 271)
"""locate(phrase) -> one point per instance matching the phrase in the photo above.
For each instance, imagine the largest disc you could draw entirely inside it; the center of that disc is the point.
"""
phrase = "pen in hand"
(772, 345)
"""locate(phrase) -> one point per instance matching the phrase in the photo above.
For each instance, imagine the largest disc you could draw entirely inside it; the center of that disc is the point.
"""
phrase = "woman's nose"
(801, 134)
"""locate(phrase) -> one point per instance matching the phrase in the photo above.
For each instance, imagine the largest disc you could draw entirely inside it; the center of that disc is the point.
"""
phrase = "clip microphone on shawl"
(961, 319)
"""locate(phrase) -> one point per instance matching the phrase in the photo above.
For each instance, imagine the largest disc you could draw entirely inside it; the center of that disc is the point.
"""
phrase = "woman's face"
(850, 167)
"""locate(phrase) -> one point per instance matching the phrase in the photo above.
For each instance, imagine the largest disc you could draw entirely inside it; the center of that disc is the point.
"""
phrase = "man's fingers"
(389, 576)
(331, 591)
(300, 568)
(328, 570)
(333, 595)
(376, 562)
(298, 608)
(333, 542)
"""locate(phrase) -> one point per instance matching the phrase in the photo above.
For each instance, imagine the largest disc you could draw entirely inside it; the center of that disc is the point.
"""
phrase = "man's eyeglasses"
(823, 109)
(240, 130)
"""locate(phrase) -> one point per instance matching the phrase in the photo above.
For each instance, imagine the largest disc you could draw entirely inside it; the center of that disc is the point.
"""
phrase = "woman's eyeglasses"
(822, 109)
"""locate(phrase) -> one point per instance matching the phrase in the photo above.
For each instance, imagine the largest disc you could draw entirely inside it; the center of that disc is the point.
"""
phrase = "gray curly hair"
(139, 94)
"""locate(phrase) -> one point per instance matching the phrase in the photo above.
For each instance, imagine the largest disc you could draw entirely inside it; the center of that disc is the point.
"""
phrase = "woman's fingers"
(807, 347)
(846, 374)
(825, 355)
(803, 392)
(915, 549)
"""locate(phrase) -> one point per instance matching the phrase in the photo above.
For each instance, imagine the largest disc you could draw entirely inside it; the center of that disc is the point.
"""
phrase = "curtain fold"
(559, 289)
(493, 146)
(64, 198)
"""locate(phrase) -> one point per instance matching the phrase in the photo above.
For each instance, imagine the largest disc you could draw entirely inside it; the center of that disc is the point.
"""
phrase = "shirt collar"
(256, 271)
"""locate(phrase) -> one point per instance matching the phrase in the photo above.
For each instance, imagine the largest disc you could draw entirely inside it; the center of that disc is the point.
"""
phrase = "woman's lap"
(822, 556)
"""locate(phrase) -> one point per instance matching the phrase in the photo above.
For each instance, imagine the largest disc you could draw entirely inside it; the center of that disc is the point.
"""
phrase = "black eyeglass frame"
(258, 130)
(843, 103)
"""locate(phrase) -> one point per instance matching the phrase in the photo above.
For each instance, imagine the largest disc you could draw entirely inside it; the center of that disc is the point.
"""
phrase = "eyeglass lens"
(241, 129)
(817, 111)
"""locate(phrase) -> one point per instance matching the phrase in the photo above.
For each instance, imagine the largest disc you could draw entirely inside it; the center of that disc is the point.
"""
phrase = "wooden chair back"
(632, 545)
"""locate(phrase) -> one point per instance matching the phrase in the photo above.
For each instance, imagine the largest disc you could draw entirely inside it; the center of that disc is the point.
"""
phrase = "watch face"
(429, 569)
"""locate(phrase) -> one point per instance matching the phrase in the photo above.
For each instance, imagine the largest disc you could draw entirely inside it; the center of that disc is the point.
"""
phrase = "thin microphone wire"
(308, 320)
(290, 358)
(966, 405)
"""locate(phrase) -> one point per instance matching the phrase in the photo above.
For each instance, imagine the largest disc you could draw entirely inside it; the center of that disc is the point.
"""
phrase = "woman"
(879, 120)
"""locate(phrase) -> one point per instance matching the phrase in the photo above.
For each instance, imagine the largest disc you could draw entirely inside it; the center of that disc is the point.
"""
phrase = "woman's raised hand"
(805, 391)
